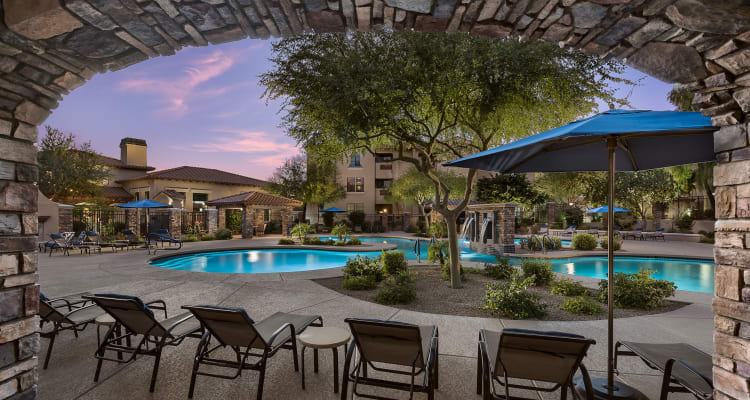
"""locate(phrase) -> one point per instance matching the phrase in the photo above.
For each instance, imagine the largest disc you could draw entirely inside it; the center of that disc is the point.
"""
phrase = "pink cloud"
(177, 92)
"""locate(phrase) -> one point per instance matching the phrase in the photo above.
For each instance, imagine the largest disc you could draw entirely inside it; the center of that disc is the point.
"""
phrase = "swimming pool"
(692, 275)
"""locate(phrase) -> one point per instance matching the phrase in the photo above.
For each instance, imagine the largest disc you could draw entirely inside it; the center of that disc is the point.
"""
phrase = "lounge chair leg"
(335, 370)
(437, 358)
(345, 374)
(261, 379)
(315, 360)
(294, 352)
(49, 349)
(98, 369)
(563, 392)
(302, 353)
(156, 370)
(479, 369)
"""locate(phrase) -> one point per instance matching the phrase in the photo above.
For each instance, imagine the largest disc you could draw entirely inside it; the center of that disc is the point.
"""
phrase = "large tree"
(508, 188)
(68, 170)
(289, 179)
(431, 97)
(413, 187)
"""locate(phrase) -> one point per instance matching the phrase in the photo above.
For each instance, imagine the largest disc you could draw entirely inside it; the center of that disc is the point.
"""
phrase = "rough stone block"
(728, 283)
(7, 354)
(9, 224)
(733, 257)
(587, 15)
(730, 137)
(19, 280)
(29, 223)
(733, 347)
(11, 304)
(27, 380)
(669, 62)
(648, 32)
(13, 244)
(733, 309)
(18, 368)
(730, 240)
(28, 346)
(26, 132)
(40, 19)
(726, 325)
(730, 118)
(31, 113)
(491, 30)
(8, 264)
(723, 362)
(419, 6)
(15, 329)
(742, 97)
(29, 262)
(15, 196)
(743, 207)
(733, 173)
(8, 389)
(26, 173)
(737, 62)
(732, 384)
(7, 170)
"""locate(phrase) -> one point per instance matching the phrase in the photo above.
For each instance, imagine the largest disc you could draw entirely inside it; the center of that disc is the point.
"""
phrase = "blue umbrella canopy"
(615, 140)
(145, 203)
(333, 209)
(645, 140)
(605, 209)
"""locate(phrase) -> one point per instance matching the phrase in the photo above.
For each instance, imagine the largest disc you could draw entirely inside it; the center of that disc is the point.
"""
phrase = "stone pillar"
(222, 217)
(19, 293)
(175, 222)
(731, 372)
(285, 214)
(247, 222)
(505, 228)
(64, 218)
(551, 213)
(258, 220)
(131, 219)
(213, 220)
(657, 211)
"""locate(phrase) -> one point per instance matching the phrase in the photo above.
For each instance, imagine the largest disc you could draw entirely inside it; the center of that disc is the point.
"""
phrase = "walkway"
(71, 371)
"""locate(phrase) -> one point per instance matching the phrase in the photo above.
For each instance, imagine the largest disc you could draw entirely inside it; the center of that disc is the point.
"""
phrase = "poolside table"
(323, 338)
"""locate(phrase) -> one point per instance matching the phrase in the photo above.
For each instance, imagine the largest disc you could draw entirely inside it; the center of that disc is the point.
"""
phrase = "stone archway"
(50, 47)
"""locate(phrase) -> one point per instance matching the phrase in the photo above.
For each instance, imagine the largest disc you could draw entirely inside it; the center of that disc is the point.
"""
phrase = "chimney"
(133, 152)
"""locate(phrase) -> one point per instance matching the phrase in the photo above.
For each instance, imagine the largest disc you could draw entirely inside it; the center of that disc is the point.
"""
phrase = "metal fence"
(153, 220)
(193, 221)
(106, 221)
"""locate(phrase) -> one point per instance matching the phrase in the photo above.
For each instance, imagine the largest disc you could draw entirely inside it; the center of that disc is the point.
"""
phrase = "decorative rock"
(199, 40)
(737, 62)
(720, 79)
(7, 64)
(489, 10)
(654, 7)
(518, 10)
(621, 29)
(31, 113)
(226, 35)
(554, 17)
(556, 33)
(669, 62)
(168, 8)
(648, 32)
(419, 6)
(426, 23)
(444, 8)
(726, 326)
(730, 137)
(41, 19)
(587, 15)
(28, 346)
(721, 51)
(15, 196)
(93, 43)
(316, 5)
(490, 30)
(326, 21)
(730, 118)
(91, 14)
(10, 224)
(363, 18)
(7, 170)
(734, 173)
(742, 97)
(26, 173)
(136, 43)
(695, 15)
(11, 304)
(202, 15)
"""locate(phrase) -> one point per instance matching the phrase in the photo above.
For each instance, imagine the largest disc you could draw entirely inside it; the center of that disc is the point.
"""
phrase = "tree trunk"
(424, 216)
(455, 267)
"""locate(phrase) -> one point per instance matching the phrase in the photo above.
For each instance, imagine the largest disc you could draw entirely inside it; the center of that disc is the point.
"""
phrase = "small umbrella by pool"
(623, 140)
(333, 210)
(605, 210)
(145, 203)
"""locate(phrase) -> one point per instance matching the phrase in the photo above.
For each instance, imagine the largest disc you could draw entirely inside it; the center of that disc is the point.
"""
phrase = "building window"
(148, 194)
(199, 200)
(355, 184)
(266, 215)
(137, 196)
(355, 161)
(383, 183)
(351, 207)
(383, 157)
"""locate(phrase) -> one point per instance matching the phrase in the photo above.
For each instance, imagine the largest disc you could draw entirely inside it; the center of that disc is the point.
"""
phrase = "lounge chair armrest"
(278, 332)
(158, 305)
(670, 364)
(178, 322)
(75, 310)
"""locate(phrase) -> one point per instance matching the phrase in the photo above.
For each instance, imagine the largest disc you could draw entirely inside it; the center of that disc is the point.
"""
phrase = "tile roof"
(173, 194)
(113, 162)
(255, 199)
(187, 173)
(115, 192)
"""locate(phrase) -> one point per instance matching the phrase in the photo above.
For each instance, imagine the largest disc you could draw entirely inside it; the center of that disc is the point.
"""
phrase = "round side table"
(323, 338)
(107, 321)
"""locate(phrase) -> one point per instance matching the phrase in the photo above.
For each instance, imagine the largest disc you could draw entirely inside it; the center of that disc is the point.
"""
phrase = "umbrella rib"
(546, 149)
(623, 145)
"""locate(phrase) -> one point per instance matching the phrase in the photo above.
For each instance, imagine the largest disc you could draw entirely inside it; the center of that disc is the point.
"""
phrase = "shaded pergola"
(253, 205)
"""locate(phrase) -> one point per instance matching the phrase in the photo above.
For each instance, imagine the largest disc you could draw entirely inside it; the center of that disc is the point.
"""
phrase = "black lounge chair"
(685, 369)
(391, 343)
(59, 242)
(132, 238)
(138, 319)
(234, 328)
(64, 313)
(552, 357)
(162, 237)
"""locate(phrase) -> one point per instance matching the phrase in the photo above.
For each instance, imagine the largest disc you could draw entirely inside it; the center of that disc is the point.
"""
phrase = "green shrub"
(638, 290)
(617, 246)
(573, 216)
(540, 269)
(366, 282)
(531, 243)
(685, 223)
(354, 242)
(583, 305)
(341, 230)
(512, 299)
(234, 222)
(273, 227)
(556, 240)
(189, 239)
(499, 270)
(286, 241)
(223, 234)
(302, 230)
(475, 270)
(437, 253)
(207, 237)
(400, 288)
(313, 241)
(567, 287)
(439, 230)
(328, 219)
(357, 218)
(584, 241)
(394, 262)
(364, 266)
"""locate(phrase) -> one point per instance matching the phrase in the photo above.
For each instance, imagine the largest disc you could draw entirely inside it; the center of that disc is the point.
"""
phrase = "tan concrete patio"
(70, 375)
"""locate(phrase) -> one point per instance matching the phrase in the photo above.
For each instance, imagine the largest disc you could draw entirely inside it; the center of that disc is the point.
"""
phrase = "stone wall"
(213, 220)
(64, 218)
(50, 47)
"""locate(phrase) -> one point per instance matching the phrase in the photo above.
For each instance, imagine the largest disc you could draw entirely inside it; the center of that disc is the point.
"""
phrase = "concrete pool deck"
(72, 365)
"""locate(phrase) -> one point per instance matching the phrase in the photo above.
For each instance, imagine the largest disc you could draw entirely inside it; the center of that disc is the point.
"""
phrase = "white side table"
(323, 338)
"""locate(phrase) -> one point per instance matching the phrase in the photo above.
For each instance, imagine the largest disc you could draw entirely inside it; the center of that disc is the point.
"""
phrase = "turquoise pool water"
(692, 275)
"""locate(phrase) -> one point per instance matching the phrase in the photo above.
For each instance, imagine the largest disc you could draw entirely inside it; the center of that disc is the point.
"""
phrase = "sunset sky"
(203, 107)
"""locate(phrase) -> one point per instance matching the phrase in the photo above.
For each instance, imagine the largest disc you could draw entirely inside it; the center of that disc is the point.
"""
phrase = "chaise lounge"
(64, 314)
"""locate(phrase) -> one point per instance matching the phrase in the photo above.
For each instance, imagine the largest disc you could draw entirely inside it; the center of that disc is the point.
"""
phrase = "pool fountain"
(495, 234)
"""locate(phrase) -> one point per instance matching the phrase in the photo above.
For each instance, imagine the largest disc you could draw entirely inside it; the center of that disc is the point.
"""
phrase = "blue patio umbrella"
(333, 210)
(145, 203)
(605, 209)
(622, 140)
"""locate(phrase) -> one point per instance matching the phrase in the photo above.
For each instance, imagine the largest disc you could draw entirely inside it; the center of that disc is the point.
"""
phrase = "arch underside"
(50, 47)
